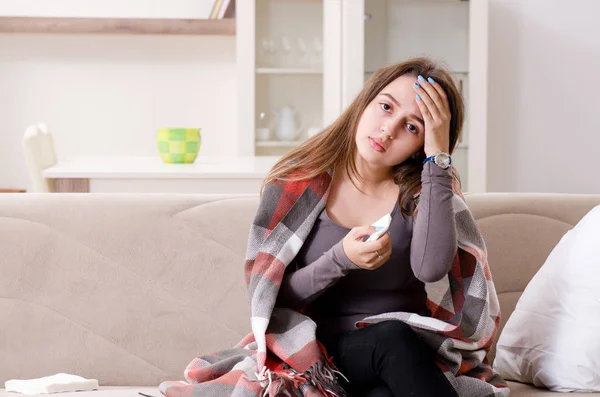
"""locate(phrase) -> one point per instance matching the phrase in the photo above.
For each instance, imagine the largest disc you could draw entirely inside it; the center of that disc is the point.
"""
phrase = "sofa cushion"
(178, 265)
(524, 390)
(102, 392)
(516, 390)
(520, 230)
(126, 289)
(551, 339)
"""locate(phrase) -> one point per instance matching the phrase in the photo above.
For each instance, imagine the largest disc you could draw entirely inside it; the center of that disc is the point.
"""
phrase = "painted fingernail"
(430, 80)
(418, 97)
(416, 85)
(421, 79)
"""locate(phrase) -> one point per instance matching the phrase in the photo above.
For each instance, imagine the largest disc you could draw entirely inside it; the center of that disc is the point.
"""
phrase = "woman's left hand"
(433, 103)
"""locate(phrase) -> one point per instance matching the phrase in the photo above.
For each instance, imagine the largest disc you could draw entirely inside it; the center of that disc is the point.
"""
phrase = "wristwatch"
(441, 159)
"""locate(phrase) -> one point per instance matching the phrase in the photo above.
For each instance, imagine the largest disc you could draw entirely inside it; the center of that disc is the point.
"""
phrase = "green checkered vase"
(178, 145)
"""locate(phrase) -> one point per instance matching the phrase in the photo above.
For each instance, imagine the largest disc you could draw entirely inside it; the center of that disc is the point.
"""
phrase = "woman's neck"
(373, 180)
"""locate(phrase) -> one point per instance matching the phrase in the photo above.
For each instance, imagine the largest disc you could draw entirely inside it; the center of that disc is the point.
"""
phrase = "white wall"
(544, 101)
(107, 95)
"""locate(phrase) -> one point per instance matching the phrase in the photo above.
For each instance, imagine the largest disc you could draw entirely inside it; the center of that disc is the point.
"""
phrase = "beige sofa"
(127, 289)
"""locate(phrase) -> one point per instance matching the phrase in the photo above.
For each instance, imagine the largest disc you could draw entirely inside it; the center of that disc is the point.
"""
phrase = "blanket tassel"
(291, 383)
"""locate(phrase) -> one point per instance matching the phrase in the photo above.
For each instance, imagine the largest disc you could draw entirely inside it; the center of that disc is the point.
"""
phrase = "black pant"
(387, 359)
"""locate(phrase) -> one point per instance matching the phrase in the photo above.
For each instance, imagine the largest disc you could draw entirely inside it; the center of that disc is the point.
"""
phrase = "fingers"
(376, 253)
(373, 254)
(385, 254)
(427, 116)
(433, 96)
(386, 250)
(378, 258)
(359, 232)
(380, 244)
(441, 93)
(426, 90)
(424, 97)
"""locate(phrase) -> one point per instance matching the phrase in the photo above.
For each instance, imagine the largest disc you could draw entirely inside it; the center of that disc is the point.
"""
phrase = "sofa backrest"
(129, 288)
(122, 288)
(520, 230)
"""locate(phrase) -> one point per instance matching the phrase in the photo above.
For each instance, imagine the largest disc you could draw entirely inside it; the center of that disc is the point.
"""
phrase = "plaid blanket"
(281, 356)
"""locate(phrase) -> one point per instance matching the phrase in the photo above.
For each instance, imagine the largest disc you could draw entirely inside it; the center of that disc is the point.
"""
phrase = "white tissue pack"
(58, 383)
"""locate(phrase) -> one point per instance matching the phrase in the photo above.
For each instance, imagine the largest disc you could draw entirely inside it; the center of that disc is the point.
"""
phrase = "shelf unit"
(10, 24)
(281, 66)
(395, 30)
(359, 36)
(286, 77)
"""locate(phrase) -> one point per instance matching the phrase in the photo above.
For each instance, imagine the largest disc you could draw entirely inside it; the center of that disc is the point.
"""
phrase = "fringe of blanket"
(288, 382)
(319, 380)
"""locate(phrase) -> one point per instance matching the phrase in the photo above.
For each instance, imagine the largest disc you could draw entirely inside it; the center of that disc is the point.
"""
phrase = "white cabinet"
(289, 66)
(311, 57)
(395, 30)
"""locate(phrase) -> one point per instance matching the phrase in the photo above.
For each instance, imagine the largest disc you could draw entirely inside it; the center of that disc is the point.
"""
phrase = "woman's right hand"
(367, 255)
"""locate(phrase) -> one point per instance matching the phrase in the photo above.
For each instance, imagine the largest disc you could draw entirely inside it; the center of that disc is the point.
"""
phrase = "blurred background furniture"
(13, 190)
(149, 174)
(38, 148)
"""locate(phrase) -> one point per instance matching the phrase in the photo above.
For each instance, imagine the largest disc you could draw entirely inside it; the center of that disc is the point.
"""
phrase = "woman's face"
(391, 128)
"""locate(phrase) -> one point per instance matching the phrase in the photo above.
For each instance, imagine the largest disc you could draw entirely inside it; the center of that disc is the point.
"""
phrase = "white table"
(221, 175)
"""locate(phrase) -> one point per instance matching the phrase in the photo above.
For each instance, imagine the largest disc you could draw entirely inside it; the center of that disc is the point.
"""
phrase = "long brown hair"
(335, 146)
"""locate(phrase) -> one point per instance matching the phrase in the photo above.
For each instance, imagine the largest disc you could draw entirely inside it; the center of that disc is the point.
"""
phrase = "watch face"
(443, 160)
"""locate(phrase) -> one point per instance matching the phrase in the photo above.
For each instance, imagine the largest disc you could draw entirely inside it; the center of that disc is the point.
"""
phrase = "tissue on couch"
(51, 384)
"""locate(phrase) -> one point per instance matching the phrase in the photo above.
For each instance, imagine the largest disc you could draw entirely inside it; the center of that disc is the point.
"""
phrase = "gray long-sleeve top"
(339, 293)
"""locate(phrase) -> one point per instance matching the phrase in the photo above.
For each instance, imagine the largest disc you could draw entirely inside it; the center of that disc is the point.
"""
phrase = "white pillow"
(552, 339)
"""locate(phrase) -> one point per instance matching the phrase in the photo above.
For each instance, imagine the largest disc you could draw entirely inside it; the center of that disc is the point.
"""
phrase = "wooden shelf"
(13, 191)
(288, 71)
(117, 26)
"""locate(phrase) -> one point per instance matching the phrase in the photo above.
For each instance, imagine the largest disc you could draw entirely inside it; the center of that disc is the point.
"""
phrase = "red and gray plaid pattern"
(281, 356)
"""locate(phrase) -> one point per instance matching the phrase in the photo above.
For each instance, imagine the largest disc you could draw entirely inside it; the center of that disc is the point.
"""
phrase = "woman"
(389, 153)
